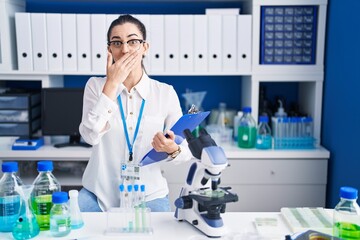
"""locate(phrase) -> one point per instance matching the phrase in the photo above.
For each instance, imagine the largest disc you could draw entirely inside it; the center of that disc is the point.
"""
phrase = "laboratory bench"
(265, 180)
(240, 226)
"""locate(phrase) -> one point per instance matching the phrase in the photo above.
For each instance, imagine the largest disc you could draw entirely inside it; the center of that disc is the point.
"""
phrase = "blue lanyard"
(130, 146)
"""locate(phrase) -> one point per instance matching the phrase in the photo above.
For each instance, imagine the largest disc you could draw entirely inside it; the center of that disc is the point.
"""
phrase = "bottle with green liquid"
(45, 184)
(247, 130)
(347, 215)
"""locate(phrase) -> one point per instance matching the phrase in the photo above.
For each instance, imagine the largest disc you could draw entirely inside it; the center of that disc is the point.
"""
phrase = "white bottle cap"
(74, 193)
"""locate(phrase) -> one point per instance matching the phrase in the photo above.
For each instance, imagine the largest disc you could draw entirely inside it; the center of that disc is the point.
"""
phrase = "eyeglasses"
(132, 43)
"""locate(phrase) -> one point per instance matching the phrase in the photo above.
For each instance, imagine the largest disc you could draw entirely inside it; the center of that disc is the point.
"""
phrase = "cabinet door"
(263, 185)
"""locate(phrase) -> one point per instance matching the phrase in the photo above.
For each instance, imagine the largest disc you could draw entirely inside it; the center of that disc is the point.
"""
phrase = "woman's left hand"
(162, 143)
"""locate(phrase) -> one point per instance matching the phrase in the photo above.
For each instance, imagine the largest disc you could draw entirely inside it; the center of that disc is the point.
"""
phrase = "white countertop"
(165, 226)
(83, 154)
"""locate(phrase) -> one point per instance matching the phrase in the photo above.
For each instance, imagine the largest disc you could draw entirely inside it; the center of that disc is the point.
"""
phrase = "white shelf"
(52, 73)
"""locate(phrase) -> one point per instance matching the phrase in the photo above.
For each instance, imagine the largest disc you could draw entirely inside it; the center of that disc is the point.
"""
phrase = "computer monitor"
(61, 114)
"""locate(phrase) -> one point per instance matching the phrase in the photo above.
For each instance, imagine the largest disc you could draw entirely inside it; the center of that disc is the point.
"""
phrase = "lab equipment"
(280, 112)
(76, 218)
(288, 34)
(236, 124)
(305, 218)
(194, 98)
(247, 130)
(347, 215)
(293, 133)
(26, 226)
(9, 197)
(263, 134)
(201, 201)
(45, 184)
(132, 218)
(60, 219)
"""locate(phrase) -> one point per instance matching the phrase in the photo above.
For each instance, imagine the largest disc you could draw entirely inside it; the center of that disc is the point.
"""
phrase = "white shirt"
(102, 127)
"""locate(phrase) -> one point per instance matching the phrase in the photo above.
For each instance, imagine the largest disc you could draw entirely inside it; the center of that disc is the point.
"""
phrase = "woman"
(126, 114)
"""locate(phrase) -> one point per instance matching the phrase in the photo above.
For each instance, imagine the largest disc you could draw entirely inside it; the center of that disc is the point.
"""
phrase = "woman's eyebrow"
(130, 35)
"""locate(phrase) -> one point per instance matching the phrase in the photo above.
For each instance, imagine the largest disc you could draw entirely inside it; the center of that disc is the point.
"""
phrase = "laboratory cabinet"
(266, 180)
(263, 183)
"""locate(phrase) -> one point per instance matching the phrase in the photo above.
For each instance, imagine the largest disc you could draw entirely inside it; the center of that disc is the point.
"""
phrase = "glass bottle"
(76, 218)
(26, 227)
(60, 219)
(45, 184)
(347, 215)
(263, 134)
(247, 130)
(9, 197)
(221, 119)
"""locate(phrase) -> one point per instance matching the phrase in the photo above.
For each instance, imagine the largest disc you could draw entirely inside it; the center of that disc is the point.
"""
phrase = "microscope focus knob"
(184, 202)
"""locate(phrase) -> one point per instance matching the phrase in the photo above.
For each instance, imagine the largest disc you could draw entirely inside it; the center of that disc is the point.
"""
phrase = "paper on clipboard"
(187, 121)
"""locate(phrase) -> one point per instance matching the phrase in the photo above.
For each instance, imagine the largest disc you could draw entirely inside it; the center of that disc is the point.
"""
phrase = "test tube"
(130, 209)
(122, 196)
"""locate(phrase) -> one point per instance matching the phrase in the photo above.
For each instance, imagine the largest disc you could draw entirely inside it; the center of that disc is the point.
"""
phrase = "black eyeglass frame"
(127, 42)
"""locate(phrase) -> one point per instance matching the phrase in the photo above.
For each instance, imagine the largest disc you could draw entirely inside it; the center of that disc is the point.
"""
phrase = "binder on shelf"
(222, 11)
(24, 41)
(98, 42)
(229, 43)
(39, 41)
(54, 41)
(156, 50)
(186, 43)
(244, 43)
(215, 43)
(69, 42)
(145, 19)
(110, 18)
(200, 43)
(171, 27)
(83, 42)
(187, 121)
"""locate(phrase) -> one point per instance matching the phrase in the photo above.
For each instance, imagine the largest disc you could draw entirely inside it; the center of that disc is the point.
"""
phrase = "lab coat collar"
(142, 87)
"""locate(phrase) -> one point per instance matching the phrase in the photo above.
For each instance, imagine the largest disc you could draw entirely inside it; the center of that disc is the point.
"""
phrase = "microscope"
(201, 200)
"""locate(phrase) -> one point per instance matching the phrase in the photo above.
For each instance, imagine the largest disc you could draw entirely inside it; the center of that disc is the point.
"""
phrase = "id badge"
(130, 171)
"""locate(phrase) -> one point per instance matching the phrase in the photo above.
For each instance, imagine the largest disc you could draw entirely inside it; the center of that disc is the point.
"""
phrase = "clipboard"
(187, 121)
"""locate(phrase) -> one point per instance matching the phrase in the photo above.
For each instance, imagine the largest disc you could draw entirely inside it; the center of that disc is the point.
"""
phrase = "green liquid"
(346, 230)
(41, 206)
(246, 137)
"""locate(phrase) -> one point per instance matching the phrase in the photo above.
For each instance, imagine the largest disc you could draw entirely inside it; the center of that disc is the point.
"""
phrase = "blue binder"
(187, 121)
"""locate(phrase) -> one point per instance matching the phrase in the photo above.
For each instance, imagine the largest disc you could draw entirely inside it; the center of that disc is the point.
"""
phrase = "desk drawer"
(286, 171)
(19, 129)
(19, 101)
(15, 116)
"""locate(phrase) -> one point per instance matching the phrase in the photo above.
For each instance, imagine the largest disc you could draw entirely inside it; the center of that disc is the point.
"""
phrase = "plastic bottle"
(45, 184)
(347, 215)
(60, 220)
(236, 124)
(76, 218)
(247, 130)
(281, 112)
(263, 134)
(221, 119)
(9, 197)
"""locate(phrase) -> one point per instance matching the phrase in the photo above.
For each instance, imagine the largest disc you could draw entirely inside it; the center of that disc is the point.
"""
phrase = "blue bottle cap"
(348, 192)
(263, 119)
(59, 197)
(247, 109)
(122, 187)
(129, 188)
(136, 187)
(142, 188)
(9, 167)
(43, 166)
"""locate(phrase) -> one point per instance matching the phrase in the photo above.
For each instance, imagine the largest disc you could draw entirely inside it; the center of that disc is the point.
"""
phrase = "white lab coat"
(161, 111)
